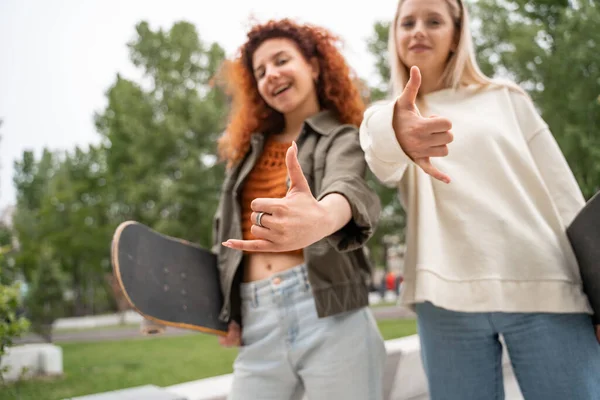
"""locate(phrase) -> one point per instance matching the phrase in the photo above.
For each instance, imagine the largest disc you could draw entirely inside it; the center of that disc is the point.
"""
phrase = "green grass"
(384, 304)
(397, 328)
(162, 361)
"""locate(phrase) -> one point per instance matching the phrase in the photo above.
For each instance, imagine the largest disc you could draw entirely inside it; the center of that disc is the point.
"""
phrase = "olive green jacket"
(338, 269)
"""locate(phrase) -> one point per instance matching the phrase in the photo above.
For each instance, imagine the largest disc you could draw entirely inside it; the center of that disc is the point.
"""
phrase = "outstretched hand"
(421, 138)
(288, 223)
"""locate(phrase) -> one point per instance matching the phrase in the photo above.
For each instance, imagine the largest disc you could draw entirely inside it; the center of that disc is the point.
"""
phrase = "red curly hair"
(337, 88)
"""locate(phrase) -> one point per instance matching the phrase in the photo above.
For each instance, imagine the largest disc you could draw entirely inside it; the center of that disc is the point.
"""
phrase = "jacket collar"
(323, 122)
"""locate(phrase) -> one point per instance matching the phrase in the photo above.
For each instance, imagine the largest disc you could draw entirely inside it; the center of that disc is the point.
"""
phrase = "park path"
(120, 333)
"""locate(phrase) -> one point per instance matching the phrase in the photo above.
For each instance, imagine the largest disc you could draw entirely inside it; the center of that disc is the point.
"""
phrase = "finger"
(265, 220)
(439, 139)
(435, 140)
(598, 333)
(226, 341)
(258, 245)
(229, 342)
(234, 326)
(298, 182)
(267, 205)
(432, 151)
(408, 98)
(263, 233)
(436, 125)
(429, 169)
(233, 335)
(437, 151)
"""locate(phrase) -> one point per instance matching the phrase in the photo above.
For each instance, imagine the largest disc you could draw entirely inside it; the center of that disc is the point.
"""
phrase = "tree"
(377, 45)
(7, 271)
(73, 217)
(550, 47)
(62, 203)
(160, 139)
(12, 325)
(45, 299)
(156, 164)
(31, 179)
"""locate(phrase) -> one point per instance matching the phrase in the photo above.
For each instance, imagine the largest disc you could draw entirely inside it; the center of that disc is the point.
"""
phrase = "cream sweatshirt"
(494, 238)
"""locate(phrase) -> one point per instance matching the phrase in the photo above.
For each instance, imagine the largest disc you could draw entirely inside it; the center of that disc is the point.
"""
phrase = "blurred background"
(108, 113)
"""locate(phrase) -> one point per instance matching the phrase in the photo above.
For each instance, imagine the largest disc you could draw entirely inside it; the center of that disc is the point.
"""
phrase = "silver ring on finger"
(259, 218)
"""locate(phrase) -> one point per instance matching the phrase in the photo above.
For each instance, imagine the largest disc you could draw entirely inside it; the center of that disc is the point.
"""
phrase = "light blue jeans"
(554, 356)
(288, 351)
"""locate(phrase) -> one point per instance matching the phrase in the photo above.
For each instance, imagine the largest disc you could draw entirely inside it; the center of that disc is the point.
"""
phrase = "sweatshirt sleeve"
(549, 160)
(383, 153)
(557, 175)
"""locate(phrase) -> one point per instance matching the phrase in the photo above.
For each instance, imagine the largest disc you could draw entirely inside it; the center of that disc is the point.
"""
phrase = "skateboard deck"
(169, 281)
(584, 235)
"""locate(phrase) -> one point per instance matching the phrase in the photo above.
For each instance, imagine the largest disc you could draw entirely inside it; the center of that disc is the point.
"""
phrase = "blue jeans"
(288, 351)
(554, 356)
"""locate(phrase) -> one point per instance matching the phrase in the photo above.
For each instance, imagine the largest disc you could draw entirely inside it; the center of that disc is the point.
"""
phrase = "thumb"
(298, 182)
(408, 98)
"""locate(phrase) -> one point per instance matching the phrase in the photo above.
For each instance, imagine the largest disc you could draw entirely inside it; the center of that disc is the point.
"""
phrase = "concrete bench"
(95, 321)
(404, 377)
(30, 360)
(146, 392)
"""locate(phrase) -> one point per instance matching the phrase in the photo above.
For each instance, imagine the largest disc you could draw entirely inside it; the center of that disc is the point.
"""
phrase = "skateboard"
(584, 235)
(169, 281)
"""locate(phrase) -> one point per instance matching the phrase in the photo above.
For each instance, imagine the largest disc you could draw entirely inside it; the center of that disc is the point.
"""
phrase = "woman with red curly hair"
(294, 215)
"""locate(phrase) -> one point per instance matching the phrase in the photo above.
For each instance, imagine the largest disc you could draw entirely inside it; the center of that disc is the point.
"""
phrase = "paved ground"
(119, 333)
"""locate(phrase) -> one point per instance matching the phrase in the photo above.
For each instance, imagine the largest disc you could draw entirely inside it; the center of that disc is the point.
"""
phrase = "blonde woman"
(488, 195)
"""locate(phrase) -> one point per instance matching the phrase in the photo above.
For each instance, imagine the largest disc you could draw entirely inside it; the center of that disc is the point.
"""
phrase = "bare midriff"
(258, 266)
(266, 180)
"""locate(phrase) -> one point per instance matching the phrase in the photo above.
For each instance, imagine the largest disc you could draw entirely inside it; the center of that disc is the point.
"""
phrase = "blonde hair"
(461, 69)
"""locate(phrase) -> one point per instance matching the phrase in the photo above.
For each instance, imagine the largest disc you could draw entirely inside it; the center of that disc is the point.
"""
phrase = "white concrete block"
(51, 361)
(95, 321)
(204, 389)
(390, 297)
(31, 360)
(374, 298)
(146, 392)
(132, 317)
(21, 362)
(410, 381)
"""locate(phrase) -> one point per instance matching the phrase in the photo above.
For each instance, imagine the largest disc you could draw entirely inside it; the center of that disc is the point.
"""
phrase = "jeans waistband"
(295, 278)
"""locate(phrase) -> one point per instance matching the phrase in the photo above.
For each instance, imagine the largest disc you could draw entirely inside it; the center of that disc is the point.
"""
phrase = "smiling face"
(285, 79)
(425, 35)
